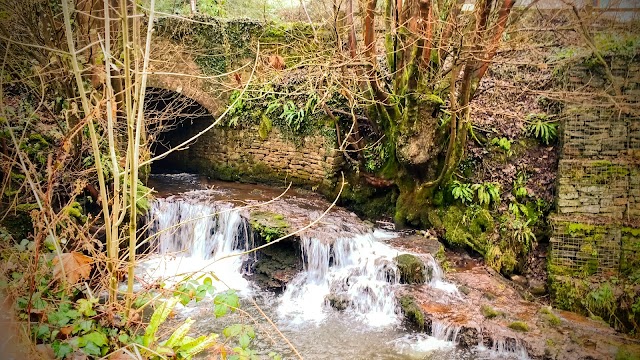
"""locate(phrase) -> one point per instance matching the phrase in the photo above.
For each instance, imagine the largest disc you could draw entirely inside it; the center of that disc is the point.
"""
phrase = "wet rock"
(520, 280)
(277, 265)
(412, 312)
(412, 269)
(468, 336)
(464, 289)
(537, 287)
(338, 302)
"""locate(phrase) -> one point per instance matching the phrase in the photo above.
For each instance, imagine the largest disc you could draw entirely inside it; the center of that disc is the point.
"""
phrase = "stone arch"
(170, 117)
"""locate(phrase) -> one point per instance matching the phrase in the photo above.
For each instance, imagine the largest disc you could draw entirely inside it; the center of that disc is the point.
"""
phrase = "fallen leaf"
(76, 267)
(78, 355)
(121, 355)
(66, 331)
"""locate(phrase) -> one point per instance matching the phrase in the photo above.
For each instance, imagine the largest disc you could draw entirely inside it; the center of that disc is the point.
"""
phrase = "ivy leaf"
(92, 349)
(86, 306)
(42, 330)
(96, 337)
(244, 340)
(83, 326)
(61, 349)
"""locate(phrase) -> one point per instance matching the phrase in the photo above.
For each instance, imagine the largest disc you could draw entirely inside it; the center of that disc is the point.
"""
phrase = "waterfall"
(194, 234)
(444, 331)
(346, 266)
(359, 273)
(503, 347)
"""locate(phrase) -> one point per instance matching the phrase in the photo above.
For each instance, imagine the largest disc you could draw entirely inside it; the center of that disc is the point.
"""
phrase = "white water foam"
(359, 271)
(419, 345)
(503, 348)
(196, 236)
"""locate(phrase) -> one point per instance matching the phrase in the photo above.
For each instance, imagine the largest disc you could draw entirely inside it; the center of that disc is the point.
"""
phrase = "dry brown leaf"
(66, 331)
(121, 355)
(78, 355)
(76, 267)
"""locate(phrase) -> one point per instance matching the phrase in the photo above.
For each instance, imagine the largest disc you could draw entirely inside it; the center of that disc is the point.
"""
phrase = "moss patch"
(519, 326)
(270, 226)
(549, 316)
(412, 269)
(488, 312)
(412, 311)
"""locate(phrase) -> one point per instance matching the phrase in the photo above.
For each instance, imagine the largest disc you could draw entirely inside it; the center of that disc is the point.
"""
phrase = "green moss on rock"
(488, 312)
(519, 326)
(270, 226)
(412, 269)
(549, 316)
(412, 311)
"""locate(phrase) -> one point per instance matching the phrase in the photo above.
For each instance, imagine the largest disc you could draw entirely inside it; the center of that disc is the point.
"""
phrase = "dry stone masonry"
(242, 154)
(599, 172)
(596, 231)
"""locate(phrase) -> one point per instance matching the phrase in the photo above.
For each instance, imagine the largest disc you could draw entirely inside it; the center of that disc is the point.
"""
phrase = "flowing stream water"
(199, 228)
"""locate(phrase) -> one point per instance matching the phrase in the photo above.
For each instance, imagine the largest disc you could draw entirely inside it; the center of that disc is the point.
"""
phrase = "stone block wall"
(241, 153)
(597, 188)
(598, 133)
(596, 231)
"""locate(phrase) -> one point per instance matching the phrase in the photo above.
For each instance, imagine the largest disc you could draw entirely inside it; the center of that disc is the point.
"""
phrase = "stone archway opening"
(171, 117)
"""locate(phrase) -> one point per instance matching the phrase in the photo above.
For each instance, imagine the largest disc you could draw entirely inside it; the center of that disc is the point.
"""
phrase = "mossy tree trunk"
(436, 55)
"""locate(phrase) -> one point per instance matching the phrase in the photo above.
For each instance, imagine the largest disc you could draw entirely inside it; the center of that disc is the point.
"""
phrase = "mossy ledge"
(269, 225)
(412, 311)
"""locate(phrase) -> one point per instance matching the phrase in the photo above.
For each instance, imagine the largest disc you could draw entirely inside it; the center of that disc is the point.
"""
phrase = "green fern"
(487, 193)
(542, 129)
(461, 191)
(503, 143)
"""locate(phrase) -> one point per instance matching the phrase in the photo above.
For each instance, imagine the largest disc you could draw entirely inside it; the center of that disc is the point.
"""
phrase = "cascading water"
(347, 266)
(193, 234)
(358, 272)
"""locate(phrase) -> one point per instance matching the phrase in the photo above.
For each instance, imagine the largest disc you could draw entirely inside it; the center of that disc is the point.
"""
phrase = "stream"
(201, 226)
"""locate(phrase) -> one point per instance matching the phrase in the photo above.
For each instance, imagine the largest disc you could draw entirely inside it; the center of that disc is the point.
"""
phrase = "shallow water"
(342, 256)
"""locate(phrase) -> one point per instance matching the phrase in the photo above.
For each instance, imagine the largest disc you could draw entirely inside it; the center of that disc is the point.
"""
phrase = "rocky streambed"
(387, 279)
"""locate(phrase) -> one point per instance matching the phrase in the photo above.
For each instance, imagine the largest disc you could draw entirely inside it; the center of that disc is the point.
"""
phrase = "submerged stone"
(412, 269)
(338, 302)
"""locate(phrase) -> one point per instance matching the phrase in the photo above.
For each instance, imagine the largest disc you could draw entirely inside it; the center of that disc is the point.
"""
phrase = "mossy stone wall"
(242, 154)
(205, 48)
(594, 262)
(602, 188)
